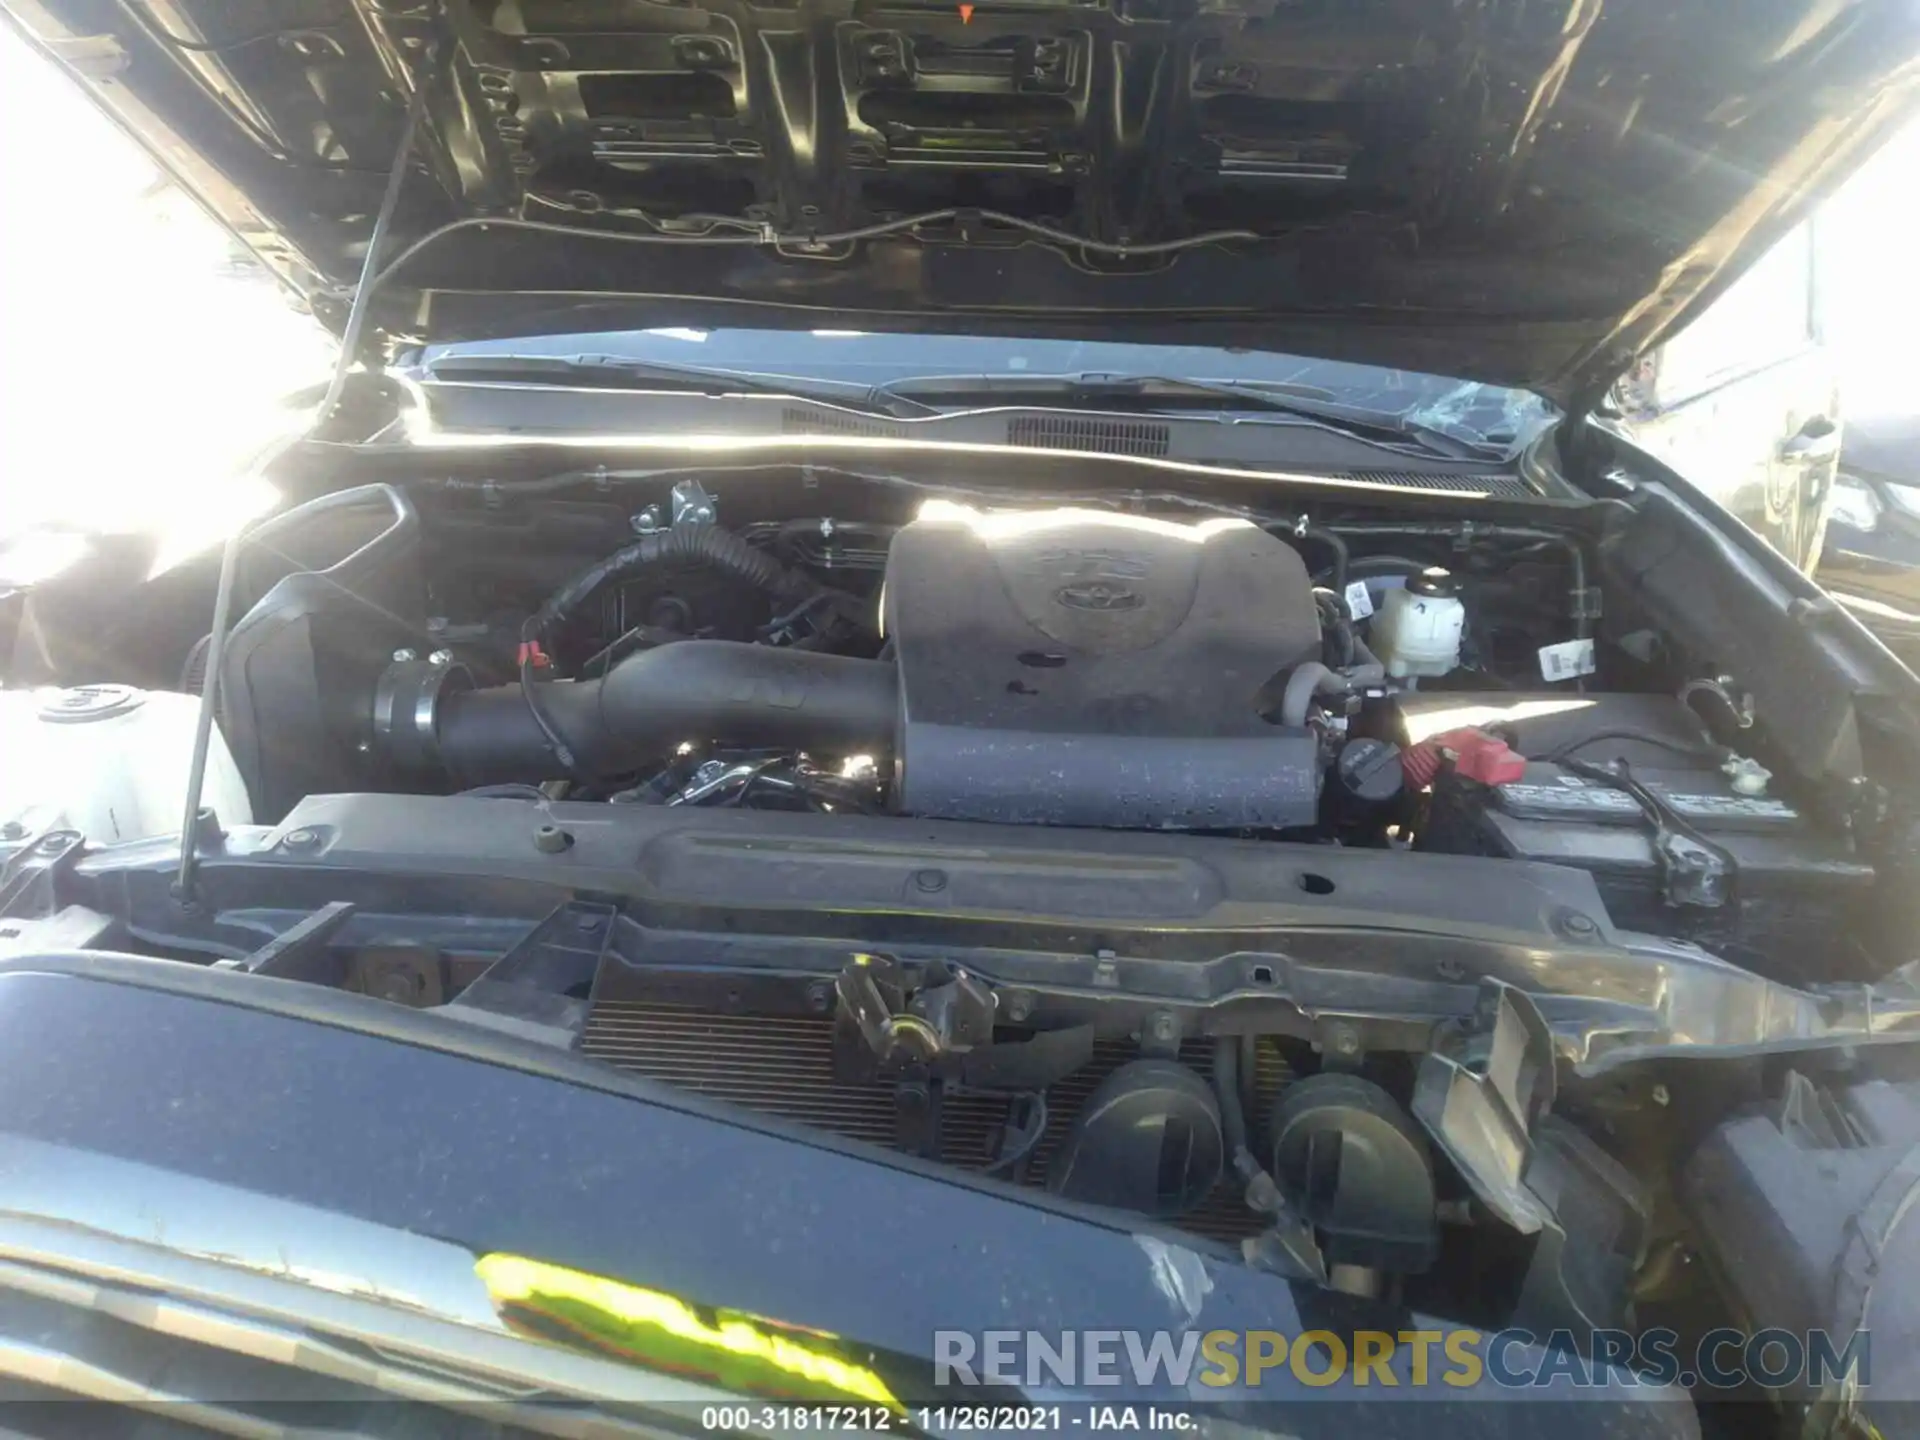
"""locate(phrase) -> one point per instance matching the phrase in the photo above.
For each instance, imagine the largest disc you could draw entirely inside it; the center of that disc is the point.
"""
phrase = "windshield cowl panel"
(911, 377)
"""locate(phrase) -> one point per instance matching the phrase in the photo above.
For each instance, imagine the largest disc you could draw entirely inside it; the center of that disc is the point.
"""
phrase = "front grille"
(783, 1066)
(1103, 437)
(86, 1359)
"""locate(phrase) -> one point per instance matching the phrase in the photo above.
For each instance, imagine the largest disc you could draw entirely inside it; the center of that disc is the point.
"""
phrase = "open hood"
(1513, 191)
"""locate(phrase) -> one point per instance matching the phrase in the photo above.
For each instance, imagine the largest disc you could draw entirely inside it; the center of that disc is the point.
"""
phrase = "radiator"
(783, 1066)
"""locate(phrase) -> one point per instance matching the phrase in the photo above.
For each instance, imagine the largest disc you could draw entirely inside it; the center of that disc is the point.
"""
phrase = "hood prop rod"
(364, 289)
(190, 829)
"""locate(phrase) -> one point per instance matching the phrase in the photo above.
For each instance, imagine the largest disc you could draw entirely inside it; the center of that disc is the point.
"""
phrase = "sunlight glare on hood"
(1421, 724)
(37, 555)
(1003, 524)
(205, 517)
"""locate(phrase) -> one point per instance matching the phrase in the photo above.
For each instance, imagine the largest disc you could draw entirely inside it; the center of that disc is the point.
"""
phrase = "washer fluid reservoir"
(109, 761)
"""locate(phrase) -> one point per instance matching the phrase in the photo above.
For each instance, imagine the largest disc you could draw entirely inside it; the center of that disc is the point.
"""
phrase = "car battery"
(1792, 881)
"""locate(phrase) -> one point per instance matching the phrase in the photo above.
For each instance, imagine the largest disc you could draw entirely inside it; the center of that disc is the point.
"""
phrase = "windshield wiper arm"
(616, 373)
(1166, 392)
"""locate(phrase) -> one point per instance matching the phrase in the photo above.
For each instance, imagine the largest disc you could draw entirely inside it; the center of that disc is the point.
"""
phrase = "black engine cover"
(1073, 667)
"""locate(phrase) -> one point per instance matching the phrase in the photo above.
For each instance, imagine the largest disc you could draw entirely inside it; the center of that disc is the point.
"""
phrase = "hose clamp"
(406, 711)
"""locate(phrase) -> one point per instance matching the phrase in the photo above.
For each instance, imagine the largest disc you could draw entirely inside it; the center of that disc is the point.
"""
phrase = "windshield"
(1487, 417)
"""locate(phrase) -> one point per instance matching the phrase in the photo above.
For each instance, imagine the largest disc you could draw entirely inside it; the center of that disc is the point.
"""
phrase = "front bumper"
(263, 1124)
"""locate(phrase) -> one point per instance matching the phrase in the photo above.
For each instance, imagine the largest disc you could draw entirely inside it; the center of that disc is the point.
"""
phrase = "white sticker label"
(1567, 660)
(1359, 602)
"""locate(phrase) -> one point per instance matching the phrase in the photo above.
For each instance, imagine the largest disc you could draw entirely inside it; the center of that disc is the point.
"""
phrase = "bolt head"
(53, 844)
(440, 657)
(403, 655)
(402, 987)
(930, 881)
(301, 840)
(13, 830)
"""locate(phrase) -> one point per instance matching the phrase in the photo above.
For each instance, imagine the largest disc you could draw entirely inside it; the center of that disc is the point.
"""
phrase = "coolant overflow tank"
(109, 761)
(1418, 629)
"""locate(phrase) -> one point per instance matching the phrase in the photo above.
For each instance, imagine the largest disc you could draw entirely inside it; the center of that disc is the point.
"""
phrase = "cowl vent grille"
(1104, 437)
(797, 421)
(1505, 487)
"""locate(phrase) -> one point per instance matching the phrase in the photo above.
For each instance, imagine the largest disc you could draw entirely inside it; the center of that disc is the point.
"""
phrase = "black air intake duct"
(647, 704)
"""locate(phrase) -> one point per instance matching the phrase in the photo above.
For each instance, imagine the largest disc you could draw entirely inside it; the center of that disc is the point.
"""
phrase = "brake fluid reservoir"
(109, 761)
(1417, 630)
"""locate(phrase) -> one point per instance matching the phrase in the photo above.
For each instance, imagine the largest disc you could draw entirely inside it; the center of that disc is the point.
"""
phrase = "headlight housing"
(1856, 506)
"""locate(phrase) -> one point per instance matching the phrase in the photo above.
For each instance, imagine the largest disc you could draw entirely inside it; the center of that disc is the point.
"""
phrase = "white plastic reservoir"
(1418, 629)
(109, 761)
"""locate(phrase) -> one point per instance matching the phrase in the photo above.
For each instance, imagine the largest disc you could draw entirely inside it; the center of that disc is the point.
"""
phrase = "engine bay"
(1422, 684)
(1244, 871)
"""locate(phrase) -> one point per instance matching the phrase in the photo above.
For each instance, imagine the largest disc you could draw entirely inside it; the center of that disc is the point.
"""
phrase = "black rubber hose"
(1249, 1074)
(1233, 1117)
(1334, 544)
(648, 704)
(1226, 1089)
(707, 545)
(1337, 629)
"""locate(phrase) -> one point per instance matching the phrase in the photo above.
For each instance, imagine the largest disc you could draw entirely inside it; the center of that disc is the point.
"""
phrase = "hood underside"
(1514, 191)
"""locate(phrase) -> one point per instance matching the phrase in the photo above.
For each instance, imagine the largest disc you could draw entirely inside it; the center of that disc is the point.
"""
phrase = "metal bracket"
(29, 876)
(540, 988)
(881, 1032)
(1491, 1119)
(1482, 1115)
(692, 504)
(303, 950)
(888, 1028)
(1287, 1248)
(919, 1108)
(1693, 874)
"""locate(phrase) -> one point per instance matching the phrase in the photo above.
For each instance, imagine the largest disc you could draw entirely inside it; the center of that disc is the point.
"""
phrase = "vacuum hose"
(646, 705)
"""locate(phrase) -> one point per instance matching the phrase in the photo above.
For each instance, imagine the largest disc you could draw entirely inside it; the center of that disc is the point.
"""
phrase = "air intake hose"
(648, 704)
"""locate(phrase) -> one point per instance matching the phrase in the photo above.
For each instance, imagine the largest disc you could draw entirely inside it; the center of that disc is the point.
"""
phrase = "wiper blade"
(1386, 428)
(618, 373)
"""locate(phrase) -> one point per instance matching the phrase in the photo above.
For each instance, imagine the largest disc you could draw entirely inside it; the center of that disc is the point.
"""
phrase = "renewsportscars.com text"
(1453, 1358)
